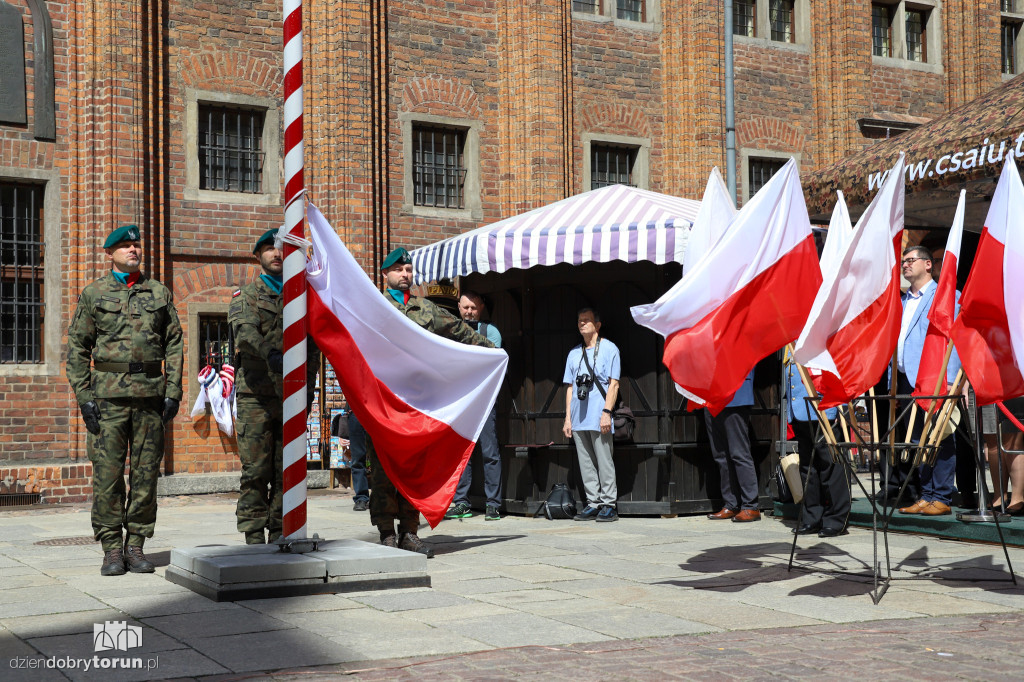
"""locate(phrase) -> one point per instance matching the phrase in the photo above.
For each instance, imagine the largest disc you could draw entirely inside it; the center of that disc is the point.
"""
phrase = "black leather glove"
(170, 409)
(91, 416)
(275, 361)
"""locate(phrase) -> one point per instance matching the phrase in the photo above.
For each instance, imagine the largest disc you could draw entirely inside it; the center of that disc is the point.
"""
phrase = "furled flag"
(213, 392)
(422, 398)
(941, 314)
(746, 298)
(855, 321)
(989, 331)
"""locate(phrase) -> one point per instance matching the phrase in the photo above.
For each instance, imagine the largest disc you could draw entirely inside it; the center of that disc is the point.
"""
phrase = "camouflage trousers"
(386, 503)
(259, 448)
(130, 428)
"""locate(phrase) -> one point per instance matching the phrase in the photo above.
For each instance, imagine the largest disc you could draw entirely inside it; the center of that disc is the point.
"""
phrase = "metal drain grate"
(67, 542)
(18, 499)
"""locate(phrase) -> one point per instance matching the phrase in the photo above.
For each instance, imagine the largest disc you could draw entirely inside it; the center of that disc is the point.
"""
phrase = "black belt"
(150, 369)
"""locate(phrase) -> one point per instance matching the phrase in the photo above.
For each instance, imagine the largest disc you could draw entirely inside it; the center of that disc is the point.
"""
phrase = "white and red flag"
(989, 331)
(854, 324)
(941, 313)
(746, 298)
(422, 398)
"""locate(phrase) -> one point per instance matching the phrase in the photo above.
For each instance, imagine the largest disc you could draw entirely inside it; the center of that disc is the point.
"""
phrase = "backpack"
(560, 503)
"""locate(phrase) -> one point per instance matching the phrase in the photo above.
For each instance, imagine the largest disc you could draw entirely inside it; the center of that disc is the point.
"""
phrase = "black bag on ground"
(783, 493)
(560, 503)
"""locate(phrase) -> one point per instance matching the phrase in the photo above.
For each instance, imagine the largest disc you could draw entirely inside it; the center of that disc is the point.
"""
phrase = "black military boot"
(255, 537)
(113, 562)
(137, 561)
(387, 536)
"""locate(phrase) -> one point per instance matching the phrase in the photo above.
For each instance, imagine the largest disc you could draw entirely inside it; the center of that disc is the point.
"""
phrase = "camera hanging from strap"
(622, 417)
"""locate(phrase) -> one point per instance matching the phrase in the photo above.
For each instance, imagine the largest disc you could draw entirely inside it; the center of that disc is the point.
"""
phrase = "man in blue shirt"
(471, 305)
(729, 436)
(592, 375)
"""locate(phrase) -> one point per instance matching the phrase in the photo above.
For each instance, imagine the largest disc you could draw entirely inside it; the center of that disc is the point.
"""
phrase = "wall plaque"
(12, 65)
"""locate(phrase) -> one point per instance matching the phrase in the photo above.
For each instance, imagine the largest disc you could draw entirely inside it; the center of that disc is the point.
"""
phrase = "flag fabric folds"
(989, 331)
(854, 324)
(746, 298)
(217, 391)
(942, 312)
(422, 398)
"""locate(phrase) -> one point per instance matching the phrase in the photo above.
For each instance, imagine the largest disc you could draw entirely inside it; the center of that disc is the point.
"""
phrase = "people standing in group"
(124, 366)
(729, 437)
(387, 504)
(257, 326)
(471, 306)
(591, 374)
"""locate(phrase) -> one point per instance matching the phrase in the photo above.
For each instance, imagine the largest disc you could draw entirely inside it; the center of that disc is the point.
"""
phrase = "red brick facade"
(535, 78)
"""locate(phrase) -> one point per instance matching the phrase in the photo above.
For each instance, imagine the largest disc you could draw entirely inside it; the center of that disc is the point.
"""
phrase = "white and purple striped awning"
(611, 223)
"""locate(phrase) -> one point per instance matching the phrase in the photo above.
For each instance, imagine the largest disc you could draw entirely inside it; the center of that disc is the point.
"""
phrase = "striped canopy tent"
(606, 224)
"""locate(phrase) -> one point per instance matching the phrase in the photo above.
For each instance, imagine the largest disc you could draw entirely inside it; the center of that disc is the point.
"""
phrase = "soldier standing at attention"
(257, 324)
(386, 503)
(127, 328)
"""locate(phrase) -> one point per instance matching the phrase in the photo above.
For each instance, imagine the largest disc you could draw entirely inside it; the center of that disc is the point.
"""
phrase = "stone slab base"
(235, 572)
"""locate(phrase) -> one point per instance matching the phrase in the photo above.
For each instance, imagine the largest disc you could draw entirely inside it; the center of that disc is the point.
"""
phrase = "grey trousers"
(597, 469)
(729, 434)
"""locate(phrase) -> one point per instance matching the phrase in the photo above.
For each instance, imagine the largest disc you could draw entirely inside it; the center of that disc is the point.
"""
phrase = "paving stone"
(167, 604)
(522, 629)
(82, 644)
(386, 601)
(308, 603)
(186, 627)
(274, 650)
(180, 663)
(30, 627)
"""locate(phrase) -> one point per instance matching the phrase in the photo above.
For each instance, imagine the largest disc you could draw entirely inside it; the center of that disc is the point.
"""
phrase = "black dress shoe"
(831, 532)
(807, 528)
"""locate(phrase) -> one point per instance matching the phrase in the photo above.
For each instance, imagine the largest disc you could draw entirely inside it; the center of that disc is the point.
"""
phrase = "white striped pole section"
(294, 415)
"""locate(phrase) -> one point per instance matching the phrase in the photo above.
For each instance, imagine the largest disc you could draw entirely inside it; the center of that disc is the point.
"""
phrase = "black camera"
(584, 382)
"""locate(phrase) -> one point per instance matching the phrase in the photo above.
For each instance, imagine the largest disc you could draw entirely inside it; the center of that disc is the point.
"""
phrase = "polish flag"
(989, 331)
(422, 398)
(942, 312)
(855, 322)
(746, 298)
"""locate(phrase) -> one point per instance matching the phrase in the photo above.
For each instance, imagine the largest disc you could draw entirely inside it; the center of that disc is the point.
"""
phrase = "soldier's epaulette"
(236, 293)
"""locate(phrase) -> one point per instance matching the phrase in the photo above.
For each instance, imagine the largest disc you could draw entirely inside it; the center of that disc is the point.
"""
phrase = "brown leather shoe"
(916, 508)
(937, 509)
(722, 514)
(746, 515)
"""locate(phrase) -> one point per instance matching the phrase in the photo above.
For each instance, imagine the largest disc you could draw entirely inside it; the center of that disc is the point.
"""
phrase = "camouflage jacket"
(434, 318)
(118, 324)
(256, 317)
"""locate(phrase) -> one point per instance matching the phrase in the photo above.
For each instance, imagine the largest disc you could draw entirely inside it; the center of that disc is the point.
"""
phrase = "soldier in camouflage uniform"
(256, 319)
(386, 503)
(124, 365)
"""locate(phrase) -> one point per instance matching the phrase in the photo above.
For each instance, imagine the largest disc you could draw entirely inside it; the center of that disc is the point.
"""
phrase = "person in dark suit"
(729, 435)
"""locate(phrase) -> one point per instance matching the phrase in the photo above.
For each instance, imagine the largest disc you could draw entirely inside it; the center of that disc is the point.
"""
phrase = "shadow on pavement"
(449, 544)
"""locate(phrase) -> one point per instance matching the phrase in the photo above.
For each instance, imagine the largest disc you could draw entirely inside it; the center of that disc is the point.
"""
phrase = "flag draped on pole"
(989, 331)
(746, 298)
(942, 312)
(854, 324)
(422, 398)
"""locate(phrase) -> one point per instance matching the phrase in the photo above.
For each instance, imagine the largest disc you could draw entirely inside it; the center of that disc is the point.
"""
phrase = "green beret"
(399, 256)
(125, 233)
(268, 238)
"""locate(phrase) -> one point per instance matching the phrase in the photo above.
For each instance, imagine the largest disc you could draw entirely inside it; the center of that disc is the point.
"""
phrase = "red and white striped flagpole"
(294, 415)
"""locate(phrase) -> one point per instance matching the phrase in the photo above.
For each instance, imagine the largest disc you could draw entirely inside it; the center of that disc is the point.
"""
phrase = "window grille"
(1010, 32)
(1008, 5)
(916, 46)
(761, 171)
(587, 6)
(881, 30)
(611, 165)
(780, 16)
(630, 10)
(744, 18)
(21, 273)
(215, 343)
(230, 149)
(438, 166)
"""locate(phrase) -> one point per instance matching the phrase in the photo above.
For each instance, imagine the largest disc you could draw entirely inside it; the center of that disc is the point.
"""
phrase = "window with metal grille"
(881, 30)
(761, 171)
(215, 343)
(744, 18)
(780, 17)
(916, 39)
(21, 273)
(1008, 6)
(230, 149)
(438, 166)
(630, 10)
(1010, 32)
(611, 165)
(587, 6)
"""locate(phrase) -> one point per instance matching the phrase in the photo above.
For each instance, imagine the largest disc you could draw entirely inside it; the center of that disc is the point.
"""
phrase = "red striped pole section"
(294, 415)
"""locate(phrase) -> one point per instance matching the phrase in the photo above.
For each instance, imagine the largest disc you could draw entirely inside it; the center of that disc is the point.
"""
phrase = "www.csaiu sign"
(975, 157)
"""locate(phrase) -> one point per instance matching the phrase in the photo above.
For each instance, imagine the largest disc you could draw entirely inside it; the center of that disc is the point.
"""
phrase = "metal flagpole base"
(982, 516)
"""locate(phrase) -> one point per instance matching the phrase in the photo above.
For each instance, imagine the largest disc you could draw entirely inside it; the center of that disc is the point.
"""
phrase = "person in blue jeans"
(357, 444)
(471, 306)
(729, 437)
